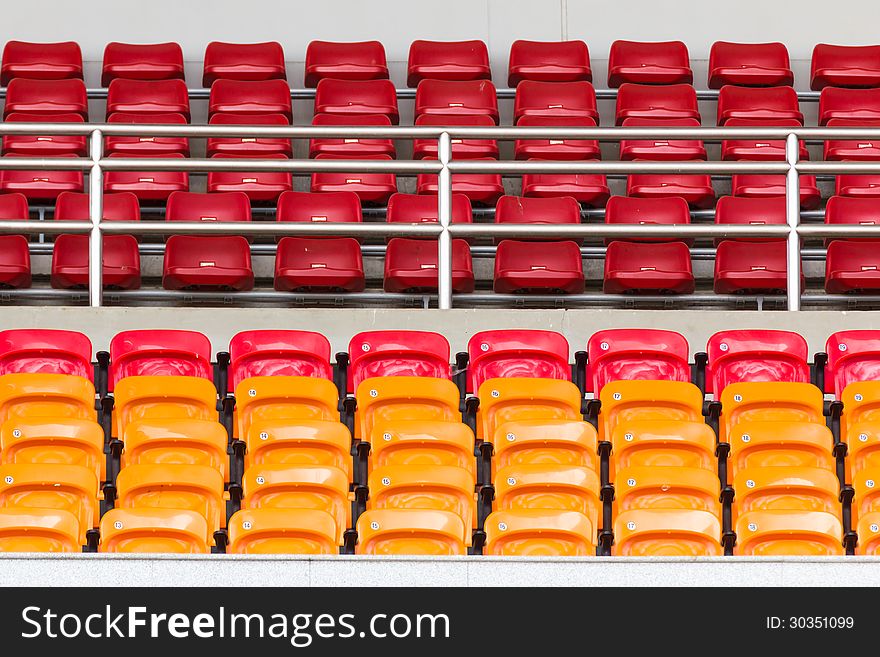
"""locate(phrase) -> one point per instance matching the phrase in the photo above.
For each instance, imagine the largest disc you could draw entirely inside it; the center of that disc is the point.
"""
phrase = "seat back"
(46, 396)
(740, 356)
(517, 353)
(278, 353)
(427, 532)
(539, 533)
(557, 487)
(667, 533)
(284, 397)
(625, 402)
(385, 399)
(159, 352)
(774, 444)
(852, 356)
(663, 443)
(786, 488)
(182, 441)
(397, 353)
(667, 487)
(39, 530)
(423, 443)
(514, 399)
(788, 533)
(546, 442)
(66, 441)
(163, 397)
(773, 401)
(154, 530)
(636, 354)
(299, 442)
(282, 531)
(51, 351)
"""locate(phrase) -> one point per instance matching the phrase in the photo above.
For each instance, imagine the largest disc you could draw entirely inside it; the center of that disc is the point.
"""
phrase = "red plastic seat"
(749, 356)
(522, 210)
(46, 97)
(852, 149)
(70, 255)
(447, 60)
(148, 97)
(259, 186)
(335, 207)
(250, 97)
(153, 146)
(564, 99)
(40, 145)
(844, 66)
(454, 98)
(556, 149)
(744, 211)
(482, 188)
(41, 61)
(243, 61)
(142, 61)
(40, 186)
(637, 355)
(750, 267)
(411, 265)
(397, 353)
(314, 263)
(749, 65)
(148, 186)
(759, 149)
(249, 146)
(696, 189)
(52, 351)
(857, 185)
(517, 353)
(361, 60)
(660, 62)
(352, 147)
(354, 97)
(662, 149)
(548, 61)
(648, 268)
(589, 189)
(375, 188)
(193, 206)
(622, 210)
(861, 104)
(546, 267)
(852, 357)
(762, 186)
(15, 261)
(159, 352)
(758, 103)
(422, 209)
(645, 101)
(852, 210)
(278, 353)
(852, 266)
(462, 149)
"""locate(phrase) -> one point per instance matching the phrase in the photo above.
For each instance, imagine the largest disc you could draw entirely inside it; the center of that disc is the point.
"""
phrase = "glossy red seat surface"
(250, 97)
(243, 61)
(455, 98)
(411, 265)
(304, 263)
(637, 355)
(335, 207)
(15, 261)
(422, 209)
(353, 147)
(645, 101)
(524, 210)
(852, 266)
(353, 97)
(41, 61)
(361, 60)
(447, 60)
(762, 186)
(148, 186)
(397, 353)
(159, 352)
(857, 185)
(482, 188)
(40, 145)
(548, 61)
(556, 149)
(764, 103)
(148, 97)
(46, 97)
(750, 267)
(43, 185)
(639, 267)
(853, 356)
(590, 189)
(563, 99)
(659, 62)
(858, 104)
(749, 64)
(696, 189)
(517, 353)
(462, 149)
(373, 188)
(844, 66)
(746, 211)
(741, 356)
(142, 61)
(249, 146)
(623, 210)
(546, 267)
(278, 353)
(259, 186)
(662, 149)
(852, 149)
(51, 351)
(759, 149)
(154, 146)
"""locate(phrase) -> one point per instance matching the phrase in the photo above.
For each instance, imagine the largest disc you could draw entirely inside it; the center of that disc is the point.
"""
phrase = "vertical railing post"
(96, 212)
(793, 218)
(444, 215)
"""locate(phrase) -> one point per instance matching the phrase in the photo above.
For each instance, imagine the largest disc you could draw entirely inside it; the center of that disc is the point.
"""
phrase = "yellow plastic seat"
(650, 443)
(299, 442)
(539, 533)
(185, 442)
(282, 486)
(667, 487)
(788, 533)
(385, 399)
(869, 534)
(441, 487)
(38, 530)
(786, 489)
(520, 398)
(550, 442)
(72, 488)
(154, 530)
(549, 486)
(667, 533)
(772, 401)
(624, 402)
(861, 403)
(867, 496)
(779, 444)
(46, 395)
(162, 397)
(261, 398)
(282, 531)
(174, 486)
(426, 532)
(69, 441)
(423, 442)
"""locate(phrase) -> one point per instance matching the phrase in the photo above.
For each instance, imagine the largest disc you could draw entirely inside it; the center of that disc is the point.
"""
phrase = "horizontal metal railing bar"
(806, 168)
(617, 231)
(352, 166)
(256, 229)
(45, 163)
(848, 231)
(47, 227)
(615, 167)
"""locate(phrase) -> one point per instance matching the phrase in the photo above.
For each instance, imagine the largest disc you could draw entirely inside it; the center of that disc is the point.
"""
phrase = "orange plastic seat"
(667, 533)
(539, 533)
(557, 487)
(867, 486)
(424, 443)
(869, 534)
(68, 441)
(624, 402)
(782, 488)
(772, 401)
(186, 442)
(545, 442)
(174, 486)
(282, 531)
(773, 444)
(154, 530)
(667, 487)
(410, 531)
(663, 443)
(385, 399)
(280, 486)
(440, 487)
(46, 395)
(522, 398)
(162, 397)
(284, 397)
(861, 403)
(39, 530)
(788, 533)
(863, 445)
(71, 488)
(299, 442)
